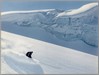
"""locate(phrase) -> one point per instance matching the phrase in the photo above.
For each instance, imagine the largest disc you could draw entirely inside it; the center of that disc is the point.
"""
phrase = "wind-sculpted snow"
(65, 27)
(47, 58)
(19, 63)
(80, 10)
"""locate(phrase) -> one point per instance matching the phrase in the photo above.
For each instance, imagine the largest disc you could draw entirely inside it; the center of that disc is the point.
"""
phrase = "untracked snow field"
(47, 58)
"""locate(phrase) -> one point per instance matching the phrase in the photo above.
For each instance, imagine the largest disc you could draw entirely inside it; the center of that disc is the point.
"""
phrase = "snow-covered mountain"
(66, 25)
(47, 58)
(71, 28)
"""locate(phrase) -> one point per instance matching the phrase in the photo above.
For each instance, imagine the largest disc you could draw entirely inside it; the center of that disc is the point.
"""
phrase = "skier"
(28, 54)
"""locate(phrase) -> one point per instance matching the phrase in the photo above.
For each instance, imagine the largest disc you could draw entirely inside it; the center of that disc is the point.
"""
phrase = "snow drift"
(18, 63)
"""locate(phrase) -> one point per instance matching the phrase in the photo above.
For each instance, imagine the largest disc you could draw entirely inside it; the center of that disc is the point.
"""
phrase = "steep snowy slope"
(47, 58)
(48, 25)
(81, 23)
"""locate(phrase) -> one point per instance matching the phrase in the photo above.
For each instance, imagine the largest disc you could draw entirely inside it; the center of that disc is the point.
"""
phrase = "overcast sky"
(7, 5)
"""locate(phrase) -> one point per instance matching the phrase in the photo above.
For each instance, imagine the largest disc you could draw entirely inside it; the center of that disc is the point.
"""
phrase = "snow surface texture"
(47, 58)
(78, 24)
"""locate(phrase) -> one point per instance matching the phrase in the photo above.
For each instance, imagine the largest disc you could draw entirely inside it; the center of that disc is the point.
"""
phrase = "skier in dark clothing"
(28, 54)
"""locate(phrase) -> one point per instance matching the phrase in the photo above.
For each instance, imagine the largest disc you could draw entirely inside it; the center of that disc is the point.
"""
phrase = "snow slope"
(14, 62)
(47, 58)
(42, 34)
